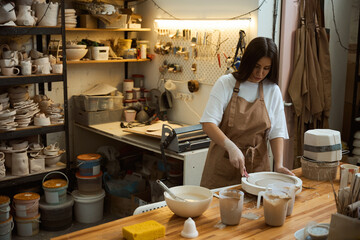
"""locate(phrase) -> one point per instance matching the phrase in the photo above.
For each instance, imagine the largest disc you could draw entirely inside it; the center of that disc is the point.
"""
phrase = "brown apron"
(247, 125)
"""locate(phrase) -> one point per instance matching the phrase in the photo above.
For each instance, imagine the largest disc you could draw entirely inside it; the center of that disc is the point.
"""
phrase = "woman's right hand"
(236, 157)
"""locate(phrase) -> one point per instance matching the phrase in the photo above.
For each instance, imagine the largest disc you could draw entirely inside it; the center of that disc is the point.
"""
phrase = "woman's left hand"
(284, 170)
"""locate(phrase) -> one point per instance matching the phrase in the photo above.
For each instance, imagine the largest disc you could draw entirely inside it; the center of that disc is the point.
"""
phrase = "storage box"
(318, 170)
(323, 145)
(343, 227)
(92, 103)
(90, 118)
(120, 23)
(134, 25)
(99, 53)
(88, 21)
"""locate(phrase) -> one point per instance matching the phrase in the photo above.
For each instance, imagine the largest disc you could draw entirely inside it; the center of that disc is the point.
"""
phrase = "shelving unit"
(9, 182)
(108, 61)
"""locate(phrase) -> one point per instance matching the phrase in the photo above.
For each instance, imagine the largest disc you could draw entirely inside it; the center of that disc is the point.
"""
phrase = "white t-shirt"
(221, 93)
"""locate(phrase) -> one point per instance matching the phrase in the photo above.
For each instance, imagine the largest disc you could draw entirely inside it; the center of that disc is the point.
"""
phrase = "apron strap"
(261, 92)
(233, 103)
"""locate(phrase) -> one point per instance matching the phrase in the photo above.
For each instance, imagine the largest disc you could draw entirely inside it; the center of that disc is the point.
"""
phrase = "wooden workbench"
(315, 203)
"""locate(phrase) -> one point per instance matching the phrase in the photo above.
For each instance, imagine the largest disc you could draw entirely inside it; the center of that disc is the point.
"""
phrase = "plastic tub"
(4, 208)
(26, 204)
(88, 208)
(125, 43)
(103, 102)
(86, 103)
(89, 184)
(5, 228)
(118, 102)
(55, 189)
(100, 53)
(56, 217)
(318, 170)
(89, 164)
(27, 227)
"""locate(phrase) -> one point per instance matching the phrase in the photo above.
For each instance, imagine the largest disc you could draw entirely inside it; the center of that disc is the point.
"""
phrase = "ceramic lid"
(89, 156)
(26, 196)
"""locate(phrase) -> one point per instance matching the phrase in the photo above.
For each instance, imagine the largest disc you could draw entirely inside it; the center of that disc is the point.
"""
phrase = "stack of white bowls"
(70, 18)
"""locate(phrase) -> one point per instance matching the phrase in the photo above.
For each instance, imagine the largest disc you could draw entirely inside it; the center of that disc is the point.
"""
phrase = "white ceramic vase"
(25, 16)
(46, 13)
(7, 13)
(20, 164)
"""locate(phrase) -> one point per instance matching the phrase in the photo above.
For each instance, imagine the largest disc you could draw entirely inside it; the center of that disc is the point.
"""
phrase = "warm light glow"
(202, 24)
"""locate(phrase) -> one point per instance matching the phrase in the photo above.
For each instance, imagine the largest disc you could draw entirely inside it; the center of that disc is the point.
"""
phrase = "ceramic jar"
(20, 164)
(7, 13)
(25, 16)
(46, 13)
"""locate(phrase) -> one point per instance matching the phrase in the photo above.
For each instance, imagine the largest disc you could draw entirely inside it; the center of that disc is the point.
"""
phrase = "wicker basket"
(319, 170)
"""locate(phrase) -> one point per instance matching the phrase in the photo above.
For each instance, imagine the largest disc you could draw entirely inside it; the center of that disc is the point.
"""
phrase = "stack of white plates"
(7, 118)
(25, 112)
(70, 18)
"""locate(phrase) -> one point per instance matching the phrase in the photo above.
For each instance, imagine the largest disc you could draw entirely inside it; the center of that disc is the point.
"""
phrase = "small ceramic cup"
(10, 71)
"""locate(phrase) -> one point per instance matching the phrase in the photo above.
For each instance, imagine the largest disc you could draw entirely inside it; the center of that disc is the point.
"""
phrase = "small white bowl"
(41, 121)
(52, 160)
(199, 200)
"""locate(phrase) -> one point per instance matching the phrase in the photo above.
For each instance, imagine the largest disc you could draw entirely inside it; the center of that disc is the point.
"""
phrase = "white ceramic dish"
(75, 54)
(300, 234)
(258, 181)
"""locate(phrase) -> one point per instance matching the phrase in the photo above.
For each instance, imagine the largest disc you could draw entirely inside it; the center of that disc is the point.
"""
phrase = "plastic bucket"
(55, 189)
(26, 204)
(27, 227)
(89, 184)
(89, 164)
(5, 228)
(88, 208)
(56, 217)
(4, 208)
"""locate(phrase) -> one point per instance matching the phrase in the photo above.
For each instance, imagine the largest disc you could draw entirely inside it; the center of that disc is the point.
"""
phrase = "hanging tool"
(240, 46)
(217, 52)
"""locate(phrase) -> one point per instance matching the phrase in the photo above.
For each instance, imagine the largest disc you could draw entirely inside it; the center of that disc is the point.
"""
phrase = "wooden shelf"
(28, 30)
(107, 61)
(35, 78)
(108, 29)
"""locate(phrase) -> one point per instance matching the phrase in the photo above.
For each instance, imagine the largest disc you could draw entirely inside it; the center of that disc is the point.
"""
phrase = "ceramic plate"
(300, 234)
(258, 181)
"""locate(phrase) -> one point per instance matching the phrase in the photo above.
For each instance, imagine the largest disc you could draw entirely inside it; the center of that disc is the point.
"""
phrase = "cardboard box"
(344, 227)
(123, 207)
(88, 21)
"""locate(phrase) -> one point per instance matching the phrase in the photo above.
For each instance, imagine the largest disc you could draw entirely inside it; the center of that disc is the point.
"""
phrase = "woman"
(245, 109)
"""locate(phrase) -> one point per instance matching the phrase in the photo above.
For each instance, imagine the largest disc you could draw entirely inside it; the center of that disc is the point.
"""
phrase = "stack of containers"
(6, 220)
(322, 153)
(27, 217)
(89, 197)
(56, 205)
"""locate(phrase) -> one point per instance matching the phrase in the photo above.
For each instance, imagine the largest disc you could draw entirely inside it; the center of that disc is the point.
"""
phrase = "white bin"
(88, 208)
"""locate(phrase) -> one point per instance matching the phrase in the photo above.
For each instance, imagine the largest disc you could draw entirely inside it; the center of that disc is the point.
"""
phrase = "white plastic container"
(88, 208)
(89, 185)
(100, 53)
(323, 145)
(4, 208)
(27, 227)
(6, 228)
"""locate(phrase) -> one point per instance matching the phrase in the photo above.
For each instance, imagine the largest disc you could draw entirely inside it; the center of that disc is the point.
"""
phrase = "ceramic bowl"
(39, 121)
(52, 160)
(75, 46)
(19, 144)
(198, 200)
(75, 54)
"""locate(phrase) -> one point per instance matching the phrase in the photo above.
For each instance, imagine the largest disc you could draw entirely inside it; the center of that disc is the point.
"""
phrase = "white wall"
(344, 10)
(201, 9)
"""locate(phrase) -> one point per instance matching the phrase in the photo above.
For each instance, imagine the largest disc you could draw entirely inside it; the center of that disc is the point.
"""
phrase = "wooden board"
(315, 203)
(153, 130)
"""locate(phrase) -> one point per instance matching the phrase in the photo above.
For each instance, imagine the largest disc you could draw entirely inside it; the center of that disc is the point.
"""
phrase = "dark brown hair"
(258, 48)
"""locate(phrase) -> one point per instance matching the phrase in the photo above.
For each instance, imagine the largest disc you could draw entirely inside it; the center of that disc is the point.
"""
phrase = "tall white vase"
(46, 13)
(25, 16)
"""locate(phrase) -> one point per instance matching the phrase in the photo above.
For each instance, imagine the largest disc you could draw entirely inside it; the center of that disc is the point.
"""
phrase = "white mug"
(27, 68)
(10, 71)
(41, 61)
(44, 68)
(57, 68)
(17, 56)
(7, 62)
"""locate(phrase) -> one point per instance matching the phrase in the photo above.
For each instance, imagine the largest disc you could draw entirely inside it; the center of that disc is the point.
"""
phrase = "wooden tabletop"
(315, 203)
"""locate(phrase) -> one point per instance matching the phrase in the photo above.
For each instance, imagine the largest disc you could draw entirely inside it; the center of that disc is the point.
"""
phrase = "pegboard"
(207, 37)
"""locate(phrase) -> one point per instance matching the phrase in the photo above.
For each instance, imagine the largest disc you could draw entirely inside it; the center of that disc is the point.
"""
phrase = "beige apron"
(247, 125)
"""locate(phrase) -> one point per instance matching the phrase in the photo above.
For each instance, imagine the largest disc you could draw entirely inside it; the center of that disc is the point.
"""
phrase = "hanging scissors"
(217, 52)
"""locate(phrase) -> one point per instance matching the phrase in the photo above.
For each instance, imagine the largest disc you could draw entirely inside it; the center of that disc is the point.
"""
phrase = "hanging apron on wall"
(247, 125)
(310, 84)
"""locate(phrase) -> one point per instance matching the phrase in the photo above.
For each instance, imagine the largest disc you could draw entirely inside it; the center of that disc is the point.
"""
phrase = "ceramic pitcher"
(25, 16)
(20, 164)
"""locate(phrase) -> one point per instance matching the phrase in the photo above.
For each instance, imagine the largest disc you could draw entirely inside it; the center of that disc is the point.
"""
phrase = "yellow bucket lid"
(27, 196)
(4, 199)
(55, 183)
(89, 156)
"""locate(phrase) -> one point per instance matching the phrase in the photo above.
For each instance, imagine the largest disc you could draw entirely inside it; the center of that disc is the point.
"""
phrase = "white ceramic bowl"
(75, 54)
(52, 160)
(199, 200)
